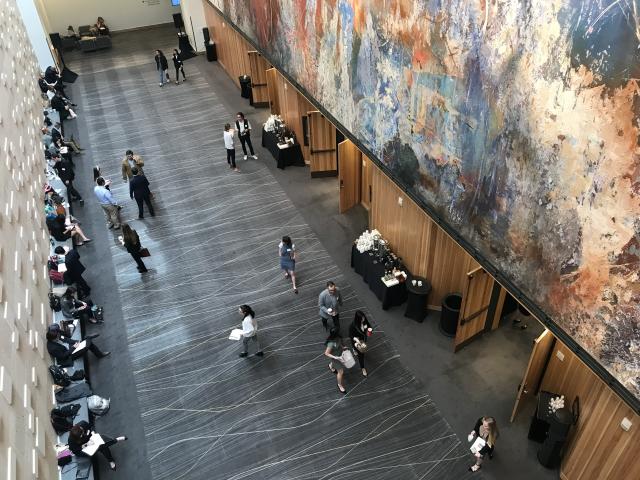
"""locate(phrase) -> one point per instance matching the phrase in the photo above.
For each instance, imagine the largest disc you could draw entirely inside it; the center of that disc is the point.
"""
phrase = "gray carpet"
(192, 408)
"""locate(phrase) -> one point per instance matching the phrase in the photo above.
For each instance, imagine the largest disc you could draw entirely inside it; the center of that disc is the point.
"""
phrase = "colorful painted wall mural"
(516, 121)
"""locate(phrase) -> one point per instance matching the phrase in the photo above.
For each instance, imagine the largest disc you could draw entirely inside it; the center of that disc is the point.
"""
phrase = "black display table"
(417, 298)
(292, 155)
(542, 418)
(372, 272)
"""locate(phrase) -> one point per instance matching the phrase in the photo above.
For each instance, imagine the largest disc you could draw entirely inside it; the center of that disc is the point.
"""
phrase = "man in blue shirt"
(108, 203)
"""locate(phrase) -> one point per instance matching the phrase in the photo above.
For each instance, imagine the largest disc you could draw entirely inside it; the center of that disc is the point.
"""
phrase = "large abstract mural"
(516, 121)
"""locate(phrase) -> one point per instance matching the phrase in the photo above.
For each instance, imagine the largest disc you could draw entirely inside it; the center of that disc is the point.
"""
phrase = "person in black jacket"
(179, 66)
(75, 270)
(139, 189)
(487, 429)
(359, 330)
(73, 308)
(64, 169)
(131, 242)
(58, 349)
(162, 67)
(62, 232)
(80, 434)
(62, 106)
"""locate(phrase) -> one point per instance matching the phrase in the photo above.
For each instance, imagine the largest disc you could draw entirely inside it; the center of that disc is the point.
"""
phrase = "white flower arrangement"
(364, 243)
(556, 404)
(273, 123)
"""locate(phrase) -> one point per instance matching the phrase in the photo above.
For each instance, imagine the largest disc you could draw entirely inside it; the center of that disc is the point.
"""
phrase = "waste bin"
(212, 53)
(245, 86)
(449, 314)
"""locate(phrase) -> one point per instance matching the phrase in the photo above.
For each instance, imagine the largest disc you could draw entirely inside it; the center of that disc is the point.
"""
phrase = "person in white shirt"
(230, 145)
(244, 132)
(249, 331)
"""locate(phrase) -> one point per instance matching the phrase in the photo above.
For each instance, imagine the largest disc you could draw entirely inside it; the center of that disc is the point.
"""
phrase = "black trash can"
(245, 86)
(449, 314)
(212, 52)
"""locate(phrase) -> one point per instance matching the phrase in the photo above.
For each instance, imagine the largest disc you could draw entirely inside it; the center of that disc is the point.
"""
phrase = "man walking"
(108, 203)
(329, 302)
(244, 132)
(230, 145)
(129, 162)
(139, 189)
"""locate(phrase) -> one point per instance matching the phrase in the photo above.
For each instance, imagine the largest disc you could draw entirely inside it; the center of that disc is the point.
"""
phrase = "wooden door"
(258, 67)
(322, 146)
(349, 174)
(272, 89)
(476, 299)
(535, 370)
(366, 184)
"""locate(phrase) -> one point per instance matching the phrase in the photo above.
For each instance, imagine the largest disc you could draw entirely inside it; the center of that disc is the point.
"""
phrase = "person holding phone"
(287, 252)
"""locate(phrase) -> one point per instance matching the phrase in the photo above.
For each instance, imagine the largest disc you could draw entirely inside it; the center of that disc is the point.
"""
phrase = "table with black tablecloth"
(417, 298)
(372, 272)
(292, 155)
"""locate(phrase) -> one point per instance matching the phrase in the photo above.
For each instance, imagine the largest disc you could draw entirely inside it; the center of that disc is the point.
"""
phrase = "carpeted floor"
(191, 407)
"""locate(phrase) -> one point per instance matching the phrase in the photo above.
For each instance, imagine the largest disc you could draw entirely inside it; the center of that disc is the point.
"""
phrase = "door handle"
(341, 183)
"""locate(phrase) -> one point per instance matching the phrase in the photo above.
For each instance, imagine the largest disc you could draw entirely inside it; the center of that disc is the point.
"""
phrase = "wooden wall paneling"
(366, 177)
(258, 67)
(272, 89)
(322, 145)
(598, 448)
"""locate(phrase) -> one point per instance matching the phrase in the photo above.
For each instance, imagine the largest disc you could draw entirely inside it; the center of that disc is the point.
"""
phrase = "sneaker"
(245, 157)
(243, 354)
(177, 82)
(260, 354)
(236, 169)
(161, 84)
(255, 157)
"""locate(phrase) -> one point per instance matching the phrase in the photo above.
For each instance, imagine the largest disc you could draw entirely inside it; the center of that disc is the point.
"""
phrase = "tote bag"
(347, 358)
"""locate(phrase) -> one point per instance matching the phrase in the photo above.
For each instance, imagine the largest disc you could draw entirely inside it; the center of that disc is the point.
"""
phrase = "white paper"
(62, 267)
(236, 334)
(82, 345)
(477, 445)
(92, 445)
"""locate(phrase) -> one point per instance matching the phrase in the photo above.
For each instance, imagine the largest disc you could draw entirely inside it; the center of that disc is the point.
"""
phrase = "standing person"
(230, 145)
(333, 349)
(244, 132)
(81, 433)
(359, 330)
(162, 66)
(131, 242)
(487, 429)
(287, 252)
(179, 66)
(329, 302)
(139, 189)
(108, 203)
(64, 168)
(249, 331)
(129, 162)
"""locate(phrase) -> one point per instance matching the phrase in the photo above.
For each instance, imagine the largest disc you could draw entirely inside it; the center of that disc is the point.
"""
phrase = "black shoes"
(105, 354)
(260, 354)
(243, 354)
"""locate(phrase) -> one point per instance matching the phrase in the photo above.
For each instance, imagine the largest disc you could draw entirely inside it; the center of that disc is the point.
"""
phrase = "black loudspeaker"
(205, 34)
(177, 20)
(56, 41)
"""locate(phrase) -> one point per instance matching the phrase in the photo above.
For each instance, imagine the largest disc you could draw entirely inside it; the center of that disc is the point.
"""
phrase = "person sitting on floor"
(73, 308)
(62, 232)
(59, 104)
(81, 433)
(62, 348)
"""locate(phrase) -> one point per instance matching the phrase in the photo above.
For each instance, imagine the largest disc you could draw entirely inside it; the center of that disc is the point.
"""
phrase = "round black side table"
(417, 298)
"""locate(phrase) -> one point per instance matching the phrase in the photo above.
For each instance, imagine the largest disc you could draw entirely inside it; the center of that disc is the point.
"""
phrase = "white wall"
(193, 14)
(38, 37)
(118, 14)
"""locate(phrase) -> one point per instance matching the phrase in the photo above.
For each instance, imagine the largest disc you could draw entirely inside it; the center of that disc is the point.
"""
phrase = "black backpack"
(70, 410)
(54, 302)
(59, 423)
(60, 377)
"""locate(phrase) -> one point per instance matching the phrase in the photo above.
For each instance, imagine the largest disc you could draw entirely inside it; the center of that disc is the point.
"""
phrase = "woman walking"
(249, 331)
(334, 348)
(162, 66)
(359, 330)
(131, 242)
(178, 65)
(287, 252)
(486, 429)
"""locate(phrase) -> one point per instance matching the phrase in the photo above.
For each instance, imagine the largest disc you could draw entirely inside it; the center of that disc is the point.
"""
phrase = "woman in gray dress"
(334, 347)
(287, 252)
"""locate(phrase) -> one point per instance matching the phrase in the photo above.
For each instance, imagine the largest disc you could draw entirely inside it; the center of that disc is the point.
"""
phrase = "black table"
(541, 419)
(372, 272)
(417, 298)
(292, 155)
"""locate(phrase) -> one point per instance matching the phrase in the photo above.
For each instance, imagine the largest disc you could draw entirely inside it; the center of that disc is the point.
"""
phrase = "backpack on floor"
(66, 411)
(60, 377)
(98, 405)
(54, 302)
(59, 423)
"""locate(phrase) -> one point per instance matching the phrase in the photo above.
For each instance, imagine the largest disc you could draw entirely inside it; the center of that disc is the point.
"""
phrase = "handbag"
(144, 252)
(347, 358)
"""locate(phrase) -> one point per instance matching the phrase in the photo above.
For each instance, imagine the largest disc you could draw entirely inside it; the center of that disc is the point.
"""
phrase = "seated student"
(71, 33)
(73, 308)
(61, 105)
(63, 232)
(80, 434)
(62, 348)
(53, 78)
(101, 27)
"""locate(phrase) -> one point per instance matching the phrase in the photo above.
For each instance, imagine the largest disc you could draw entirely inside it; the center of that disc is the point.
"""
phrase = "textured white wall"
(36, 32)
(118, 14)
(26, 436)
(193, 16)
